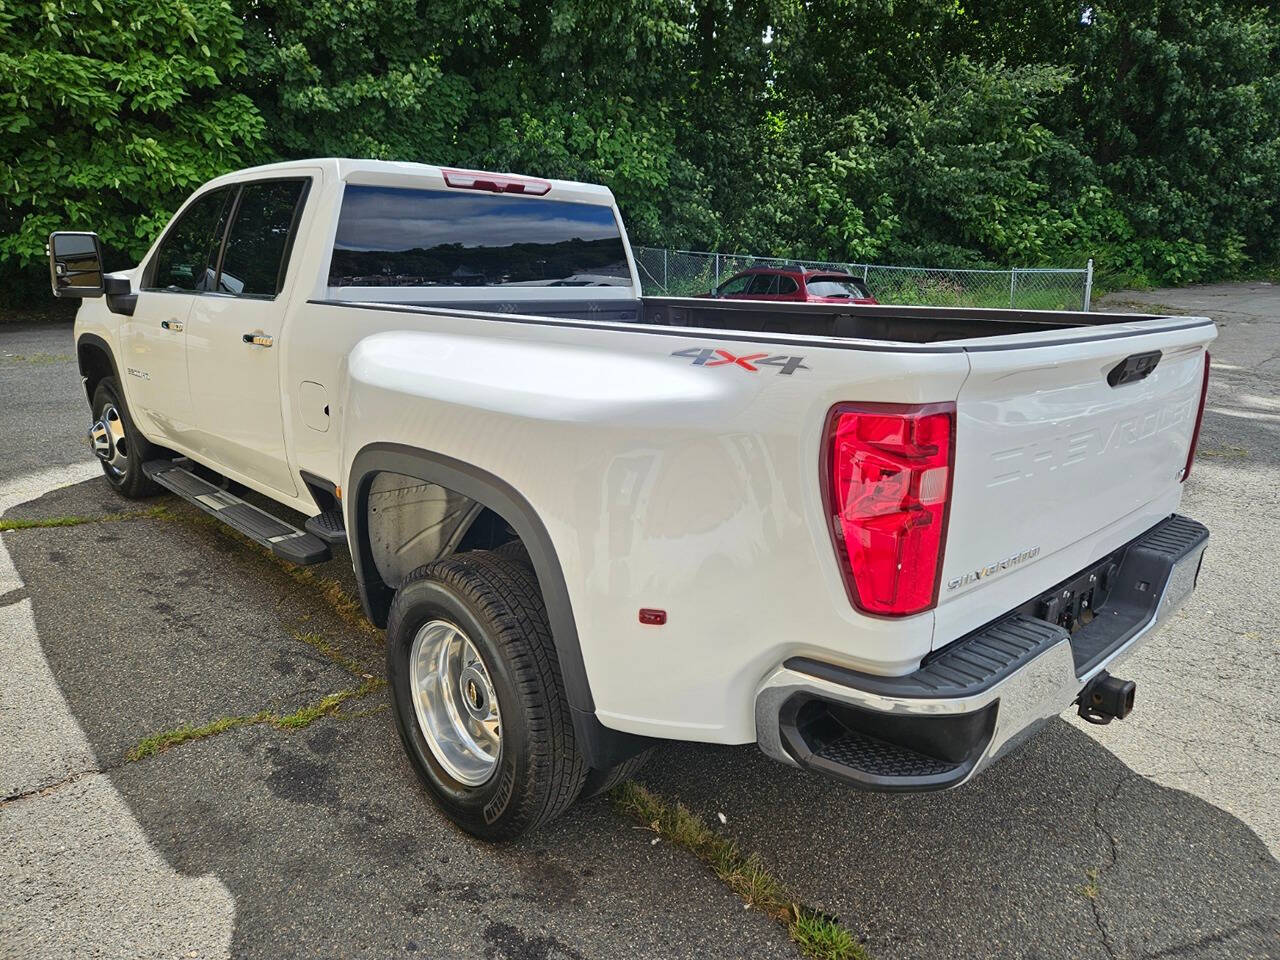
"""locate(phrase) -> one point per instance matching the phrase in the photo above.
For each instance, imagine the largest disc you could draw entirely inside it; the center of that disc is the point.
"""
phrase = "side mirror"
(75, 265)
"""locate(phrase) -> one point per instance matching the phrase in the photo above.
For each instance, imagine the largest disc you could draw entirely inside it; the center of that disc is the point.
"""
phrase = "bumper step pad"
(329, 526)
(285, 541)
(861, 751)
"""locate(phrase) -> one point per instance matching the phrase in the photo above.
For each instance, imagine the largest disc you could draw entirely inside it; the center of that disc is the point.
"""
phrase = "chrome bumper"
(1040, 685)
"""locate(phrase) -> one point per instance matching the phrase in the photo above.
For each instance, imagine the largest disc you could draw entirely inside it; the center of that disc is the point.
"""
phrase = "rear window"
(405, 237)
(837, 287)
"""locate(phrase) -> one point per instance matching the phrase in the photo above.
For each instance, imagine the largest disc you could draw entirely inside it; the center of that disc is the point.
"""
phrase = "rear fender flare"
(492, 492)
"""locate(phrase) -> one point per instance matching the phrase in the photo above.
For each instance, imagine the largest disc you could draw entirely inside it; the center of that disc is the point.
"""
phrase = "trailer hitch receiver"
(1106, 698)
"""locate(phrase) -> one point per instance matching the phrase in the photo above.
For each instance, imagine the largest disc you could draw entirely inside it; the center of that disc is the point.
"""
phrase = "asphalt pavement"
(1153, 837)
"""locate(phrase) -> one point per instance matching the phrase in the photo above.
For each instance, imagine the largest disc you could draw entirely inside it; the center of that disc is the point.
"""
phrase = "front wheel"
(478, 696)
(118, 445)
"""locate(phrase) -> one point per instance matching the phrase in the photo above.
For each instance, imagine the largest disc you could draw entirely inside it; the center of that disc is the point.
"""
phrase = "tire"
(536, 771)
(602, 781)
(515, 550)
(128, 447)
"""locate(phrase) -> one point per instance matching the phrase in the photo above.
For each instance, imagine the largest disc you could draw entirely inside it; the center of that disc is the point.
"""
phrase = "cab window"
(187, 257)
(258, 246)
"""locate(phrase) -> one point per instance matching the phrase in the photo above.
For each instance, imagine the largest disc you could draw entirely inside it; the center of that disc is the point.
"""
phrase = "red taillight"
(888, 473)
(495, 182)
(1195, 434)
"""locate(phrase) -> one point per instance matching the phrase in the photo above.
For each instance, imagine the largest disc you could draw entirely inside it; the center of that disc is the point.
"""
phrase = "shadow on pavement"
(1058, 851)
(330, 847)
(323, 836)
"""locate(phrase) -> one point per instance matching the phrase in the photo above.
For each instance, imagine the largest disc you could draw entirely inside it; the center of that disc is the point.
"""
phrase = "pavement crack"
(1263, 925)
(11, 597)
(9, 525)
(302, 717)
(48, 788)
(1095, 901)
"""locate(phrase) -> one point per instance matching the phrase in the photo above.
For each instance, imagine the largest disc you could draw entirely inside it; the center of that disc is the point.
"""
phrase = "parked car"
(884, 543)
(794, 283)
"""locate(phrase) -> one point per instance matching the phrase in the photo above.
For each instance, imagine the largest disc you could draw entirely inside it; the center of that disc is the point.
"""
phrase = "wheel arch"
(602, 746)
(96, 362)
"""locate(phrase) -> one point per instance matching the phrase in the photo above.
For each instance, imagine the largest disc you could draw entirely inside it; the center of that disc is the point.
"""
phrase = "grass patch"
(329, 652)
(39, 359)
(1091, 889)
(817, 934)
(42, 523)
(1223, 453)
(160, 742)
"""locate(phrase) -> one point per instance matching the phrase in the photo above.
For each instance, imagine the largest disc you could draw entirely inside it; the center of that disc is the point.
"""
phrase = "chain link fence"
(687, 273)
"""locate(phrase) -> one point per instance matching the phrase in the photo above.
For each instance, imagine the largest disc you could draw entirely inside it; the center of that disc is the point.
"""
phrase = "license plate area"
(1075, 603)
(1108, 603)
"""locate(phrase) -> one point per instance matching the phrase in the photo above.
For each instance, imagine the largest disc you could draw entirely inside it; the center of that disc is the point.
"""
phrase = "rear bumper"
(974, 700)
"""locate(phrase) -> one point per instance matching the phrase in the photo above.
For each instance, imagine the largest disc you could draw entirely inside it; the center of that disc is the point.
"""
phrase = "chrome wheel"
(454, 701)
(106, 438)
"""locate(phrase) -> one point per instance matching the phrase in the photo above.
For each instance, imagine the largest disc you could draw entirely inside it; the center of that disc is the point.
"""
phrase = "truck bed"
(883, 323)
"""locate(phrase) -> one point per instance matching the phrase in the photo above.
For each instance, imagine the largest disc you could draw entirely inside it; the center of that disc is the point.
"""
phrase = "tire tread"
(505, 593)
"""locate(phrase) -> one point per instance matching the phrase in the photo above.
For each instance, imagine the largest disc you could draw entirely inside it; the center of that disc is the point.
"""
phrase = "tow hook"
(1106, 698)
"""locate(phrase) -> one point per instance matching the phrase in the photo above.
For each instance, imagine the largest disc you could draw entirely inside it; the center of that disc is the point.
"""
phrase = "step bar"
(285, 541)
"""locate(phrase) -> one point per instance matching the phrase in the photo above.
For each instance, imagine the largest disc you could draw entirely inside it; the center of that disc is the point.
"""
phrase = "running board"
(285, 541)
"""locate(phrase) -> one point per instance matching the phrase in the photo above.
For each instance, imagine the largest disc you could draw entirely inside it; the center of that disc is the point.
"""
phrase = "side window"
(187, 255)
(763, 284)
(735, 286)
(786, 285)
(260, 239)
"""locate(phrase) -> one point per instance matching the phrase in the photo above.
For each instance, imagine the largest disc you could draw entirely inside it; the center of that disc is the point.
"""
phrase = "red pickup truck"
(794, 284)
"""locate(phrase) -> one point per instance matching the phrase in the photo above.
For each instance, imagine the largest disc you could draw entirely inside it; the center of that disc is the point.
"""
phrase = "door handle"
(174, 325)
(258, 339)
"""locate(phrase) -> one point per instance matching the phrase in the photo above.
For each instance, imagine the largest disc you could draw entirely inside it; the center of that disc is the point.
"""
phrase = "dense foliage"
(926, 132)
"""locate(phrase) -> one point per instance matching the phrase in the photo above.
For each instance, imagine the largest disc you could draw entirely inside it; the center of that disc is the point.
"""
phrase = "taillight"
(887, 473)
(495, 182)
(1195, 434)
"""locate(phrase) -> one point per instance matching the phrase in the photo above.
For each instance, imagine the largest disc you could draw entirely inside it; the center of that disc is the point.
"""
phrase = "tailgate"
(1055, 466)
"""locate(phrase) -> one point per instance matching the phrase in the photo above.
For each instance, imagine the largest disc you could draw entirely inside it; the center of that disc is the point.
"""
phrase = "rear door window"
(734, 287)
(763, 284)
(187, 256)
(261, 237)
(841, 287)
(411, 237)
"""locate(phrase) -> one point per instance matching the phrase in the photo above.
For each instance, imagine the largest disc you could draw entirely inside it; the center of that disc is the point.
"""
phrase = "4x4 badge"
(714, 357)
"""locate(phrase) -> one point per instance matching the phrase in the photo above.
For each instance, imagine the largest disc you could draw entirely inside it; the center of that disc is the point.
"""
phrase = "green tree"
(113, 112)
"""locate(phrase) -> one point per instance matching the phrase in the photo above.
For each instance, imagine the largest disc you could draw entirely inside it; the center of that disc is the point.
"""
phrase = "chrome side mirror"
(75, 265)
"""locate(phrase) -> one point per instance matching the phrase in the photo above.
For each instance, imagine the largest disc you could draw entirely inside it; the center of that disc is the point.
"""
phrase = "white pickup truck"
(884, 543)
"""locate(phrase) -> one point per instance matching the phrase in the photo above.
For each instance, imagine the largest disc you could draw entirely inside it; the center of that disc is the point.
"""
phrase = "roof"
(399, 173)
(800, 271)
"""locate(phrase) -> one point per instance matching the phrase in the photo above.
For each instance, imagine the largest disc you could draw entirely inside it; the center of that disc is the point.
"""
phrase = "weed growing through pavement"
(38, 359)
(329, 652)
(817, 934)
(302, 717)
(44, 523)
(1091, 889)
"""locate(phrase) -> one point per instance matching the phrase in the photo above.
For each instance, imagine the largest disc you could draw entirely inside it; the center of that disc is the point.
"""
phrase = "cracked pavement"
(1153, 837)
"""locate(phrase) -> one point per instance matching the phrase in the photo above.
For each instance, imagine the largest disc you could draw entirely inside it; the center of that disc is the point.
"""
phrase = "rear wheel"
(118, 445)
(478, 695)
